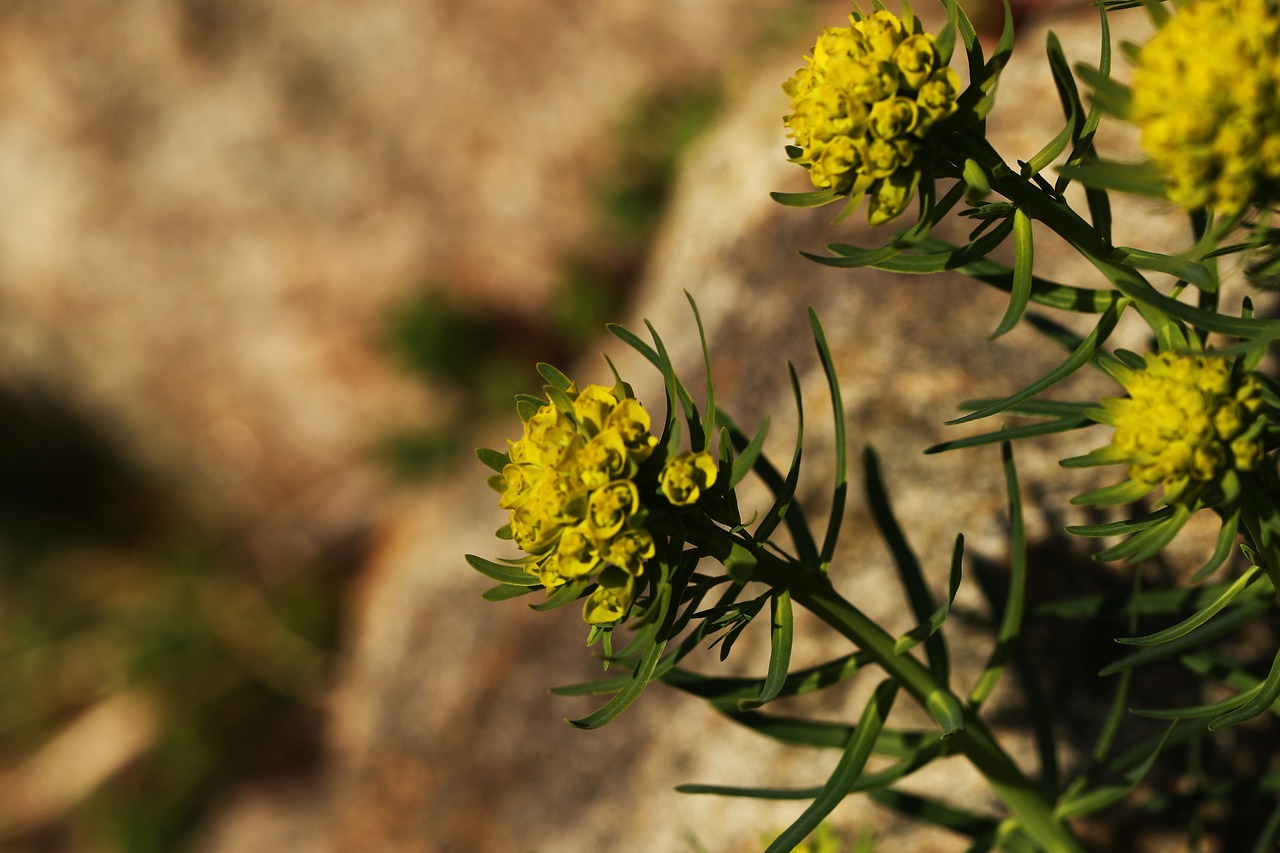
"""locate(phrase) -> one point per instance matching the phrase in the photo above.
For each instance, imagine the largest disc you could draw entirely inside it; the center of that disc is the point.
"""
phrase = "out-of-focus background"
(264, 268)
(268, 272)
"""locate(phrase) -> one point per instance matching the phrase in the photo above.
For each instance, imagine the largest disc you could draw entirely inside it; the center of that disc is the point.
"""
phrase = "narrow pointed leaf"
(493, 458)
(1191, 712)
(566, 594)
(554, 376)
(1121, 528)
(1226, 539)
(780, 638)
(840, 488)
(810, 199)
(1242, 613)
(1009, 633)
(640, 678)
(1011, 434)
(1106, 795)
(503, 592)
(1185, 270)
(846, 772)
(918, 634)
(746, 461)
(1267, 694)
(905, 561)
(1197, 619)
(512, 575)
(1024, 251)
(1081, 356)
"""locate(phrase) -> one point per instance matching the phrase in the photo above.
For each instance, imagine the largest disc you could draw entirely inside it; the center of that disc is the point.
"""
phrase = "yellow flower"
(593, 407)
(1206, 97)
(611, 506)
(685, 477)
(1186, 422)
(629, 549)
(614, 592)
(862, 105)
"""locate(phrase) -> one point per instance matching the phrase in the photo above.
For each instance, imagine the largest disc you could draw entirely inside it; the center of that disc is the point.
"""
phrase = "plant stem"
(974, 740)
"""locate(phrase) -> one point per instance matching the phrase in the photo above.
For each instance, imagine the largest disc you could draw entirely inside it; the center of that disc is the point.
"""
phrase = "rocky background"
(265, 270)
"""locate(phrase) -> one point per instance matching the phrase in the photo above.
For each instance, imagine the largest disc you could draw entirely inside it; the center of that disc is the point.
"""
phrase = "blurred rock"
(207, 208)
(443, 737)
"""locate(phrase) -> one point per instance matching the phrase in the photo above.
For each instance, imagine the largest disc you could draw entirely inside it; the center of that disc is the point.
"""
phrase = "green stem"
(973, 739)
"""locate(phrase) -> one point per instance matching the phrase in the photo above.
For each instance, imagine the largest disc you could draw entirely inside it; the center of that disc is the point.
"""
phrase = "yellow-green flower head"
(1206, 96)
(614, 592)
(685, 477)
(862, 106)
(1186, 422)
(570, 487)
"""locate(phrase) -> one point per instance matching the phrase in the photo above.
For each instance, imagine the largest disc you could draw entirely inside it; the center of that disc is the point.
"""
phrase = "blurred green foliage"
(109, 590)
(482, 355)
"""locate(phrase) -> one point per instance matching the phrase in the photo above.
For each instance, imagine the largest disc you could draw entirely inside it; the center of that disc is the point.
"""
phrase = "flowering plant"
(612, 508)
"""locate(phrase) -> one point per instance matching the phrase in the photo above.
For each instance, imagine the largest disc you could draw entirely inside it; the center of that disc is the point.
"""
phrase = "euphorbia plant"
(638, 514)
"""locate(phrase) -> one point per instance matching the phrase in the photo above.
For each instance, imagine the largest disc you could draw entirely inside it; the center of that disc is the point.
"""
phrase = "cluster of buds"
(578, 501)
(862, 106)
(1187, 421)
(1206, 96)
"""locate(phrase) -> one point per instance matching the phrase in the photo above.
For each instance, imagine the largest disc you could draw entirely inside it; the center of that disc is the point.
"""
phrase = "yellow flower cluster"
(862, 106)
(1206, 96)
(575, 508)
(1186, 422)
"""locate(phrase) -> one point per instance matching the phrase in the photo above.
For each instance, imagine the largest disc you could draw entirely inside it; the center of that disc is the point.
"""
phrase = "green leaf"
(1197, 619)
(1022, 278)
(976, 179)
(632, 340)
(1226, 539)
(852, 257)
(504, 591)
(1140, 179)
(846, 772)
(1149, 542)
(869, 782)
(511, 575)
(841, 485)
(920, 633)
(527, 406)
(1121, 528)
(493, 459)
(555, 377)
(640, 678)
(726, 693)
(1106, 795)
(1124, 492)
(566, 594)
(918, 808)
(1260, 702)
(1181, 268)
(708, 425)
(783, 489)
(1191, 712)
(1012, 434)
(810, 199)
(1081, 356)
(1051, 294)
(748, 455)
(780, 637)
(1009, 633)
(1226, 623)
(910, 575)
(1109, 94)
